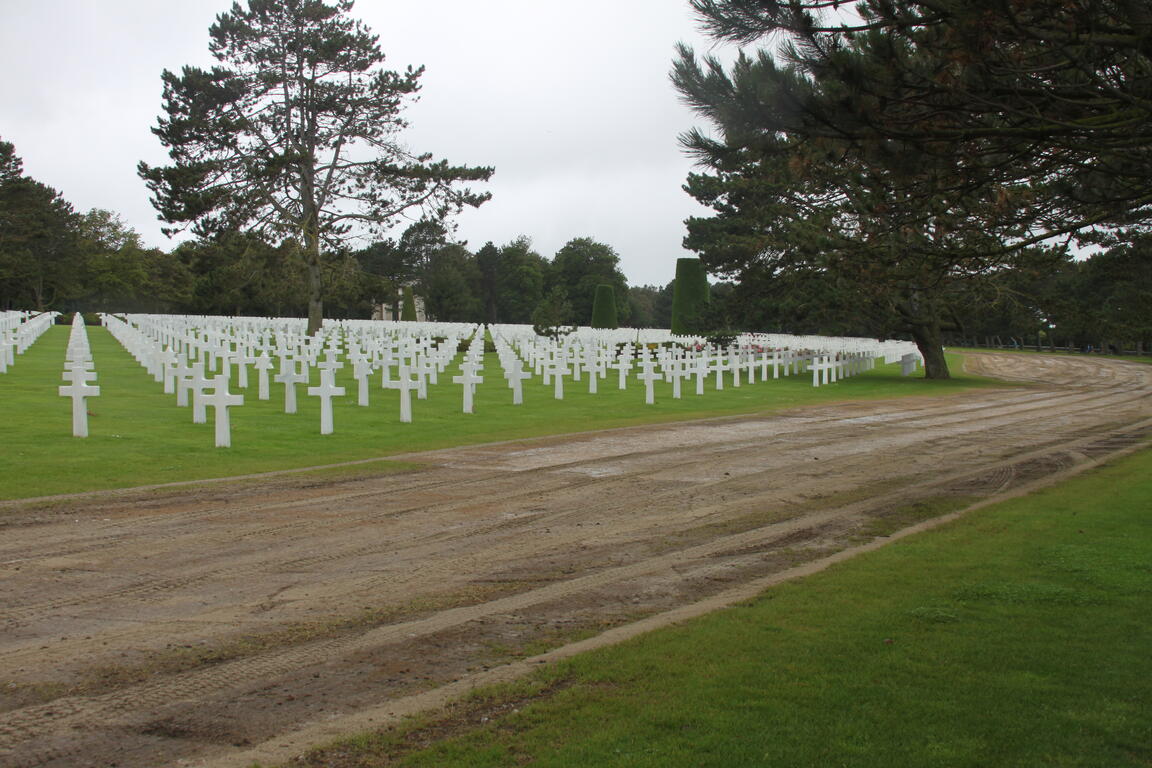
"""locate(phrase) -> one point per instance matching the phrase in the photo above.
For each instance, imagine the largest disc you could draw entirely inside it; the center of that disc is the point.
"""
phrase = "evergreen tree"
(449, 286)
(41, 259)
(409, 313)
(522, 277)
(604, 308)
(689, 297)
(550, 317)
(295, 134)
(488, 262)
(580, 266)
(899, 226)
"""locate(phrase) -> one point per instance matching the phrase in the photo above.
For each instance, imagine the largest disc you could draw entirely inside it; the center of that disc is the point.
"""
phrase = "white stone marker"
(221, 399)
(559, 369)
(79, 390)
(290, 377)
(819, 367)
(263, 365)
(405, 384)
(515, 376)
(244, 358)
(361, 370)
(469, 379)
(677, 377)
(168, 363)
(622, 365)
(184, 374)
(701, 372)
(326, 391)
(649, 377)
(197, 385)
(718, 367)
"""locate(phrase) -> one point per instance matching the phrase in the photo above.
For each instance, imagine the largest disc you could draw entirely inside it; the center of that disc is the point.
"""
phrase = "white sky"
(570, 102)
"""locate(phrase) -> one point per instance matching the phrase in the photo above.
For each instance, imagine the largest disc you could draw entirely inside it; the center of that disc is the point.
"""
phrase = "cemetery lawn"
(138, 436)
(1017, 635)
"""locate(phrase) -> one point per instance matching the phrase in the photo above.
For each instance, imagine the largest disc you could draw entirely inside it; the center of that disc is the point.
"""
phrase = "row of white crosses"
(828, 359)
(180, 351)
(79, 372)
(165, 344)
(182, 378)
(19, 331)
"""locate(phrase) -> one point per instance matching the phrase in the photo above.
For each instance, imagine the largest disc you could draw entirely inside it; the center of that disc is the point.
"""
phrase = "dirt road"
(208, 624)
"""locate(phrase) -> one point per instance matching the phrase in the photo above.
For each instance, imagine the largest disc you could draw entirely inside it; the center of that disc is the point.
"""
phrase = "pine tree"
(296, 133)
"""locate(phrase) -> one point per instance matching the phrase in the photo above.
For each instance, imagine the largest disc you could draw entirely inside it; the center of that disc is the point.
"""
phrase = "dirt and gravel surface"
(216, 624)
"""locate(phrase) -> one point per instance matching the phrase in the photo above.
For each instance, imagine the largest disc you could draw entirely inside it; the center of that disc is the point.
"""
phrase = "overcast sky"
(570, 102)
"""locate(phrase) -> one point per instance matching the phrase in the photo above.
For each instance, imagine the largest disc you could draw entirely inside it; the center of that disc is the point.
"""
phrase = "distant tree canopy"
(295, 135)
(906, 157)
(52, 258)
(580, 266)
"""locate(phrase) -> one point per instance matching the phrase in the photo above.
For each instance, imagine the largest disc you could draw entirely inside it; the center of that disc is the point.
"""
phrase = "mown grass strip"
(1015, 636)
(139, 436)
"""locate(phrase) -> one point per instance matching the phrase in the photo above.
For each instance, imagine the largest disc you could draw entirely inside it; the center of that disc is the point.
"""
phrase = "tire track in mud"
(1096, 426)
(135, 706)
(134, 527)
(719, 453)
(522, 523)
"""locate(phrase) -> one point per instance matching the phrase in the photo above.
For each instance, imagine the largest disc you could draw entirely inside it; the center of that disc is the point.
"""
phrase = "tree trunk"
(315, 284)
(929, 341)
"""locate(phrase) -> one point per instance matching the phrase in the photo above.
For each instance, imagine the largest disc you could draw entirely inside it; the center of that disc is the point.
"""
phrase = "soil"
(219, 624)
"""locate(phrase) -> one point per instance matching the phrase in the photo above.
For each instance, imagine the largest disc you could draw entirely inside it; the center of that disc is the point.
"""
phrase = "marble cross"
(326, 391)
(649, 376)
(469, 379)
(290, 377)
(79, 390)
(221, 399)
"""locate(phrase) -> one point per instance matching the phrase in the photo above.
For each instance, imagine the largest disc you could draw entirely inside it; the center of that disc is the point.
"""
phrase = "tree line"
(1102, 303)
(52, 257)
(55, 258)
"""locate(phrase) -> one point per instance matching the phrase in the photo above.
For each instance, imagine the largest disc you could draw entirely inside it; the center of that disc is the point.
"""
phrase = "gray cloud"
(569, 101)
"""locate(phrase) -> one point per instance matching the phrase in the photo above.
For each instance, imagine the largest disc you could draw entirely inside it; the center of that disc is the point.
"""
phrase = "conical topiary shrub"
(689, 296)
(408, 308)
(604, 308)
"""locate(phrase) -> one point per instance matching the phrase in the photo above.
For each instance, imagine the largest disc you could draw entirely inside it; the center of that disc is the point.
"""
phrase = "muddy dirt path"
(203, 625)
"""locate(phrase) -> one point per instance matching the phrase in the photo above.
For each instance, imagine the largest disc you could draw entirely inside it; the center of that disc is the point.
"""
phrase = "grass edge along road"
(138, 436)
(1016, 635)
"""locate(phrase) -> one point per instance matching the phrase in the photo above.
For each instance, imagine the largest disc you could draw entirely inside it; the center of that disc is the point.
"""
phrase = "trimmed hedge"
(604, 308)
(408, 308)
(689, 296)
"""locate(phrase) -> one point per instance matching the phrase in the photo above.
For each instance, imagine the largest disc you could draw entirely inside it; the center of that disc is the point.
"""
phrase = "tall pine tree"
(296, 133)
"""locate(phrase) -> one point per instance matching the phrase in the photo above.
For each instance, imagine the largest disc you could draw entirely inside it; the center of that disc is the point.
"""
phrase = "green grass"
(1016, 636)
(139, 436)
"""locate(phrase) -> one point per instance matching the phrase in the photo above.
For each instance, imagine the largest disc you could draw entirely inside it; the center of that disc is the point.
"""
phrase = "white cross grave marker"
(515, 376)
(79, 390)
(649, 377)
(263, 365)
(290, 377)
(469, 379)
(221, 399)
(326, 391)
